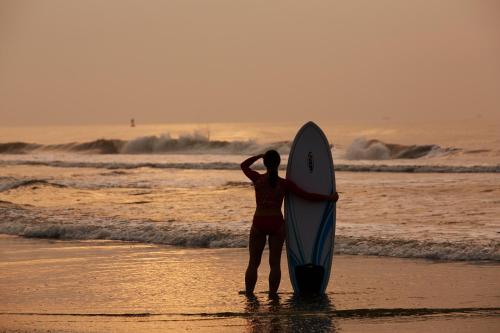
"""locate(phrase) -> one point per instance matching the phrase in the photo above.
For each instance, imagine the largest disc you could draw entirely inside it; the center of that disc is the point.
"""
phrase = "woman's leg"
(256, 245)
(276, 241)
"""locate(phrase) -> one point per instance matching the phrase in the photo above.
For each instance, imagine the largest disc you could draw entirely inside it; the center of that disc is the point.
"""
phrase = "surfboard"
(310, 226)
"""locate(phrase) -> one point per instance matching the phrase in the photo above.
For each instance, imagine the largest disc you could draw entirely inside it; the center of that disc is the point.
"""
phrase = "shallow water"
(74, 286)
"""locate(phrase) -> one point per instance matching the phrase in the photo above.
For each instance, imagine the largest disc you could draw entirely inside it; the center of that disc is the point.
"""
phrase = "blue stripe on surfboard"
(318, 245)
(326, 277)
(331, 228)
(293, 256)
(327, 224)
(320, 232)
(292, 220)
(292, 263)
(324, 233)
(329, 256)
(320, 236)
(326, 257)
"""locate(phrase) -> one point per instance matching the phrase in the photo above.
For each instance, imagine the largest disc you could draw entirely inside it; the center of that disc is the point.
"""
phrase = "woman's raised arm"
(245, 166)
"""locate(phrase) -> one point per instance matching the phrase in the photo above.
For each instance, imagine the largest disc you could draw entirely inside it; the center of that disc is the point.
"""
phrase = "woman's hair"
(272, 161)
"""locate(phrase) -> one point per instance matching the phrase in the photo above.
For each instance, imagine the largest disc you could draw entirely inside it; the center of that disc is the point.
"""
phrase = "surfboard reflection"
(290, 313)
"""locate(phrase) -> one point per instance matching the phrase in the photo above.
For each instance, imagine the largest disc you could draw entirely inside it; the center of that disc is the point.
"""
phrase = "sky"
(104, 62)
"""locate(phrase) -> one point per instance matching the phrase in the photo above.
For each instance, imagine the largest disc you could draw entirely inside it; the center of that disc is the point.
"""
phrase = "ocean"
(405, 191)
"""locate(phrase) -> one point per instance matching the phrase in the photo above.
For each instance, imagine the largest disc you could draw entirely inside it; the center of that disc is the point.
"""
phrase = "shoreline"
(91, 286)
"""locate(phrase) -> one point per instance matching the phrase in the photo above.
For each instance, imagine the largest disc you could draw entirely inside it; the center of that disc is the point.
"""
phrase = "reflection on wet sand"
(291, 313)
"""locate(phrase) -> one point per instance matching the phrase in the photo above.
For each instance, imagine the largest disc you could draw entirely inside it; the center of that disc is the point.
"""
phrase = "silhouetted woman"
(270, 189)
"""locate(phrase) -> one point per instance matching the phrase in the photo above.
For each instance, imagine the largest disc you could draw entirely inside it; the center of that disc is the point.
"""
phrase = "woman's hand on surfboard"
(334, 197)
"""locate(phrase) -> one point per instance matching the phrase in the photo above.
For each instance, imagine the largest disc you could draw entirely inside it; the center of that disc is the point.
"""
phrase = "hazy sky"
(105, 61)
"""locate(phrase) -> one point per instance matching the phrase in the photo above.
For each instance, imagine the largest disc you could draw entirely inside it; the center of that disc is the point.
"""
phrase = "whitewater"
(404, 193)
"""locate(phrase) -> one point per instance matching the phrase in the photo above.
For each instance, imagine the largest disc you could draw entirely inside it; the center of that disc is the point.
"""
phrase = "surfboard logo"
(310, 162)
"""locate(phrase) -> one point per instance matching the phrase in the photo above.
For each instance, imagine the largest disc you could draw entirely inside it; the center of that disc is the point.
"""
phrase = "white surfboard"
(310, 226)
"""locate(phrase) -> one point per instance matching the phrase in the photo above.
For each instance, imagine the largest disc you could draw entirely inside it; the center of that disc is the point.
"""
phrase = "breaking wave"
(363, 149)
(18, 220)
(197, 143)
(101, 146)
(18, 147)
(186, 143)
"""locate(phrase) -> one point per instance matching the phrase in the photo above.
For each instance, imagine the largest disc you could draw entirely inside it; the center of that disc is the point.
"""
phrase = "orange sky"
(94, 61)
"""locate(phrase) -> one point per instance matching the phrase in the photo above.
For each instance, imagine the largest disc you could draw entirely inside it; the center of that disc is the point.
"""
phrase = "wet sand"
(96, 286)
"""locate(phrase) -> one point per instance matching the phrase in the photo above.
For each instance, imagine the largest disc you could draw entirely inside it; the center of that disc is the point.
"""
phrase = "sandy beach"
(96, 286)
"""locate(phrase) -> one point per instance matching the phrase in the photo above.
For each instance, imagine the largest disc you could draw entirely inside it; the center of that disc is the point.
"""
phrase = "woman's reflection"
(289, 312)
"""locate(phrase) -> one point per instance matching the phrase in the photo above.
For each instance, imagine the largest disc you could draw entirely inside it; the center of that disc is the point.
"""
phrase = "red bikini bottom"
(268, 225)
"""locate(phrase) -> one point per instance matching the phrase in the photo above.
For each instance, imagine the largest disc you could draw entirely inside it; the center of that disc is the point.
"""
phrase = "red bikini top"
(266, 196)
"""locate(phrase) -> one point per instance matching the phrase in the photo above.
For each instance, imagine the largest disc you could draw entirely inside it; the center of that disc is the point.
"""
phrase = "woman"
(270, 189)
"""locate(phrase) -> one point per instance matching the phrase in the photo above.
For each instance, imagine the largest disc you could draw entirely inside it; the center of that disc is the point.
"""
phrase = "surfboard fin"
(309, 278)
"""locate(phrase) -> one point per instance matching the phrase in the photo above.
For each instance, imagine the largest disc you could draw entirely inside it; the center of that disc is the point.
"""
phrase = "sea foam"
(198, 143)
(17, 220)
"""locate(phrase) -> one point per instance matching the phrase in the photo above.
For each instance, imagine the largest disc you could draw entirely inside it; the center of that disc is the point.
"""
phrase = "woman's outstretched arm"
(245, 166)
(295, 189)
